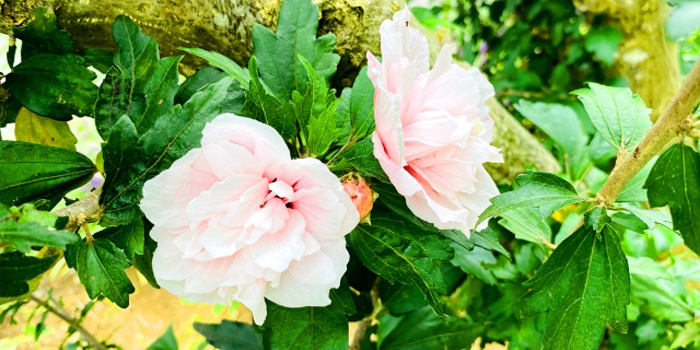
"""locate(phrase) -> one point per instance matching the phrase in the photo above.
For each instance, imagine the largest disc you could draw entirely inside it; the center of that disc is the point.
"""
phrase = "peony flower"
(433, 132)
(238, 219)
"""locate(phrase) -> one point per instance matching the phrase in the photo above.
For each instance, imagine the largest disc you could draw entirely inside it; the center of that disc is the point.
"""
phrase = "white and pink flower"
(433, 131)
(238, 219)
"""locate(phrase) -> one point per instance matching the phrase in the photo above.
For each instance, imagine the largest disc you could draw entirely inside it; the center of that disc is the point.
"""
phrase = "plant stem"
(367, 321)
(655, 139)
(58, 311)
(350, 142)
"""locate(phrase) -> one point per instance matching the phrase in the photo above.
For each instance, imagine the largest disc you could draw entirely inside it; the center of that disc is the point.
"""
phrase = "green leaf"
(42, 35)
(650, 217)
(54, 86)
(144, 263)
(361, 157)
(423, 330)
(635, 190)
(100, 266)
(230, 335)
(619, 116)
(129, 238)
(399, 251)
(33, 128)
(102, 60)
(23, 235)
(546, 191)
(314, 101)
(603, 43)
(683, 20)
(203, 78)
(472, 262)
(172, 136)
(322, 131)
(167, 341)
(21, 274)
(29, 172)
(582, 286)
(306, 328)
(359, 110)
(224, 63)
(266, 108)
(137, 53)
(675, 181)
(527, 225)
(296, 36)
(652, 283)
(160, 92)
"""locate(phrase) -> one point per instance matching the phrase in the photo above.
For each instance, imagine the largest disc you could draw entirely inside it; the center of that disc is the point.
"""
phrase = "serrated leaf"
(230, 335)
(527, 225)
(199, 80)
(29, 172)
(296, 36)
(54, 86)
(100, 266)
(582, 286)
(224, 63)
(399, 251)
(618, 115)
(266, 108)
(547, 192)
(314, 102)
(21, 274)
(42, 35)
(137, 53)
(675, 181)
(361, 109)
(160, 92)
(172, 136)
(306, 328)
(33, 128)
(130, 238)
(423, 330)
(361, 157)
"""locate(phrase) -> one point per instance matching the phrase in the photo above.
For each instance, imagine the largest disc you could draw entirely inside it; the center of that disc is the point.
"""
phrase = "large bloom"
(433, 132)
(238, 219)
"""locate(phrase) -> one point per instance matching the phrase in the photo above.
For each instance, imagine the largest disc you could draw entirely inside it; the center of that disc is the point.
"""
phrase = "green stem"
(58, 311)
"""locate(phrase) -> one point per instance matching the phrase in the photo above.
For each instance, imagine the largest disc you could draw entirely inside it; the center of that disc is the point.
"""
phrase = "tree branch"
(58, 311)
(83, 211)
(671, 122)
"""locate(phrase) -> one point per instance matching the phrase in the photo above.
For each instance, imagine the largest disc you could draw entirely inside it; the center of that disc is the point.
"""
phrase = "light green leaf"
(635, 190)
(100, 266)
(203, 78)
(54, 86)
(675, 181)
(683, 20)
(582, 286)
(359, 110)
(603, 43)
(29, 172)
(472, 262)
(23, 235)
(33, 128)
(619, 116)
(547, 192)
(527, 225)
(652, 283)
(224, 63)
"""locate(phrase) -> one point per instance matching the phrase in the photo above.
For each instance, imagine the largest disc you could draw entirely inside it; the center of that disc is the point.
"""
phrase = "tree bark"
(225, 26)
(646, 59)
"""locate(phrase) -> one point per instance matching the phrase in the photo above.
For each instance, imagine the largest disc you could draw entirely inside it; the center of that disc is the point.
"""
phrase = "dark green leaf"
(546, 191)
(100, 266)
(399, 298)
(17, 270)
(423, 330)
(54, 86)
(203, 78)
(230, 335)
(160, 92)
(361, 157)
(619, 116)
(9, 111)
(137, 54)
(675, 181)
(582, 286)
(361, 105)
(102, 60)
(306, 328)
(172, 136)
(144, 263)
(42, 35)
(167, 341)
(224, 63)
(29, 172)
(130, 238)
(596, 218)
(400, 251)
(296, 36)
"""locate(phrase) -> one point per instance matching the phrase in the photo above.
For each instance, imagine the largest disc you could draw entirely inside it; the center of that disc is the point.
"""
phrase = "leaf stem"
(351, 141)
(58, 311)
(85, 210)
(655, 139)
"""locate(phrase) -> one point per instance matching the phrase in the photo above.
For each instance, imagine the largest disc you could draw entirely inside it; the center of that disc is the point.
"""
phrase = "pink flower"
(433, 132)
(238, 219)
(360, 194)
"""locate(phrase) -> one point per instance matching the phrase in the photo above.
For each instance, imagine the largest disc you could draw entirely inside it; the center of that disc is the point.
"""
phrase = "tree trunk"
(225, 26)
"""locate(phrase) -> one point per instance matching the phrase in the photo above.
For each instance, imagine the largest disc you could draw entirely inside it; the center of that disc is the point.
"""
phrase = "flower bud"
(360, 194)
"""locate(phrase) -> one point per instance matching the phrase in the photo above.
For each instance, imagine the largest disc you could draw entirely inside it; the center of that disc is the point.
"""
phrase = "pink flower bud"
(360, 194)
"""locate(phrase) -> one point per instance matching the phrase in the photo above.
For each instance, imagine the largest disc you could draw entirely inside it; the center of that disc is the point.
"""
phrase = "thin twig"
(58, 311)
(655, 139)
(367, 321)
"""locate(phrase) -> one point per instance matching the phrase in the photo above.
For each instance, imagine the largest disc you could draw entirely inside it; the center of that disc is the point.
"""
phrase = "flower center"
(282, 190)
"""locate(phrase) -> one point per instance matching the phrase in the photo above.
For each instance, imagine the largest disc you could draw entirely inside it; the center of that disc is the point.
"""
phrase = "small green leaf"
(42, 35)
(224, 63)
(100, 266)
(596, 218)
(203, 78)
(603, 43)
(230, 335)
(361, 157)
(527, 225)
(635, 190)
(54, 86)
(675, 181)
(619, 116)
(29, 172)
(582, 286)
(546, 191)
(401, 252)
(137, 53)
(33, 128)
(167, 341)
